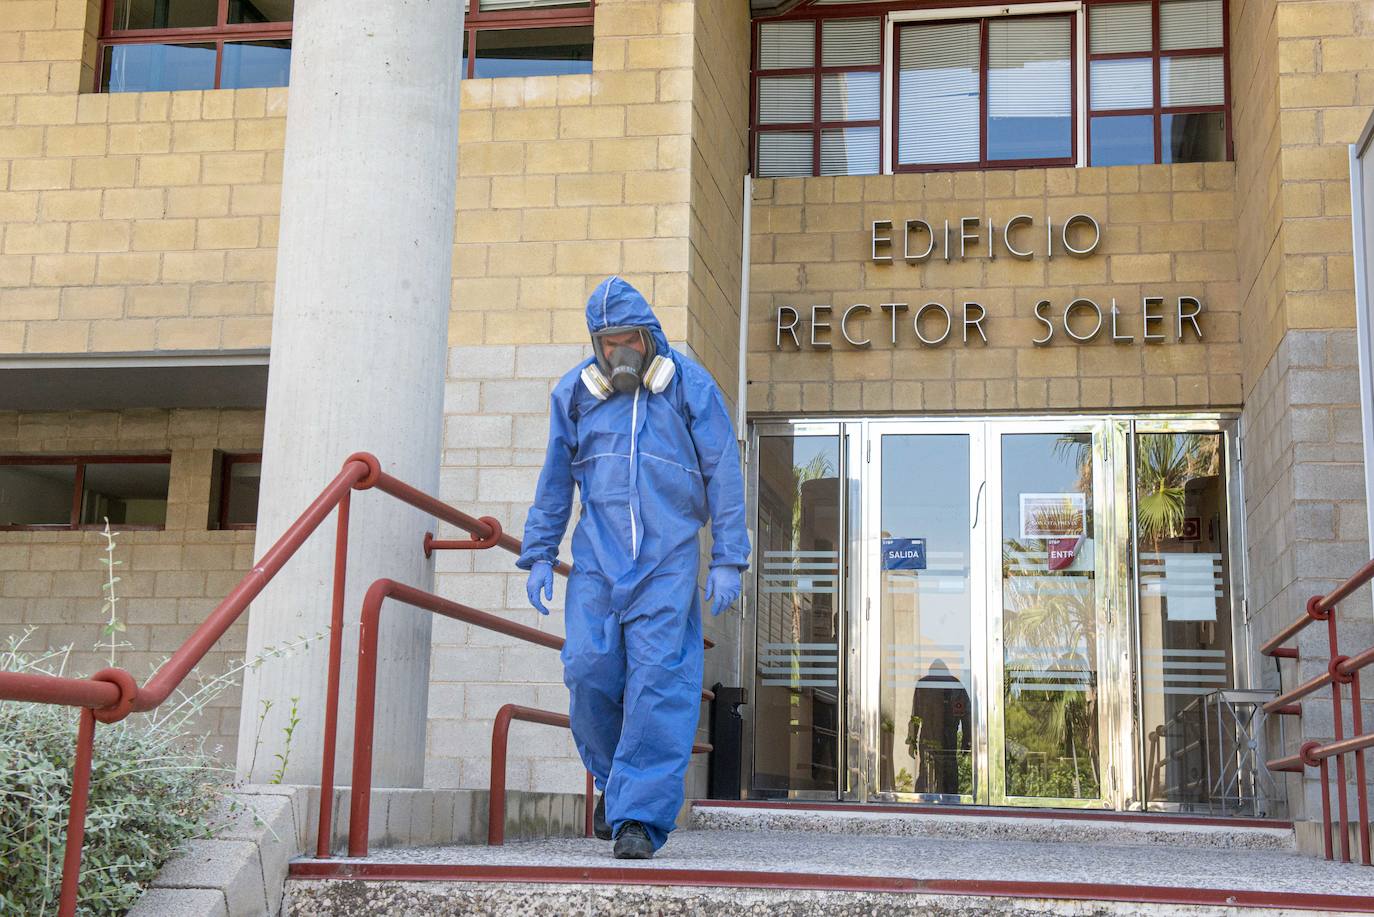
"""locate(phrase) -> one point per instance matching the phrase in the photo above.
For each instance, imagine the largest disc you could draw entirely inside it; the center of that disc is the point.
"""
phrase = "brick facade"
(147, 222)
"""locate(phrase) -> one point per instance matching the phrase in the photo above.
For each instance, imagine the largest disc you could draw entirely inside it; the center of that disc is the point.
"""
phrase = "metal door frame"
(867, 629)
(1120, 753)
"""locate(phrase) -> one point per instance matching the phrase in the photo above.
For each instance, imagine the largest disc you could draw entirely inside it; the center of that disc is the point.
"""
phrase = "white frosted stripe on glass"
(1028, 68)
(1067, 689)
(1190, 24)
(786, 99)
(938, 94)
(803, 670)
(801, 646)
(1117, 27)
(850, 42)
(1167, 652)
(925, 647)
(851, 151)
(799, 683)
(850, 97)
(785, 45)
(1122, 84)
(798, 566)
(1191, 80)
(771, 555)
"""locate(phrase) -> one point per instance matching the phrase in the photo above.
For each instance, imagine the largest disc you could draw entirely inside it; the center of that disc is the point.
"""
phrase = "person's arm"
(548, 516)
(713, 433)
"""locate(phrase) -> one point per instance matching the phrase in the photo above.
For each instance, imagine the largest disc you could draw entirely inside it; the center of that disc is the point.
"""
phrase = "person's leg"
(662, 701)
(594, 671)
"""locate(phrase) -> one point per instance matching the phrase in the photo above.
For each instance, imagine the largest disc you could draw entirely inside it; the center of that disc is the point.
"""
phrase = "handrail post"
(76, 814)
(591, 805)
(360, 792)
(496, 795)
(1361, 789)
(331, 693)
(1335, 659)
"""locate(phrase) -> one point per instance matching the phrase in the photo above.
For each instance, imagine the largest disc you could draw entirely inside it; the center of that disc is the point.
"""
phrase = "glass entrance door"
(925, 632)
(1048, 620)
(1032, 612)
(984, 570)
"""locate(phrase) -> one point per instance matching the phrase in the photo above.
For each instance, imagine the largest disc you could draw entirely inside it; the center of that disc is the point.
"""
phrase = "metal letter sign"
(904, 553)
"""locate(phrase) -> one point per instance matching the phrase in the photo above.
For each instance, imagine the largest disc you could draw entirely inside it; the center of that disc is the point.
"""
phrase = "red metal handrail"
(360, 791)
(500, 741)
(112, 694)
(1340, 670)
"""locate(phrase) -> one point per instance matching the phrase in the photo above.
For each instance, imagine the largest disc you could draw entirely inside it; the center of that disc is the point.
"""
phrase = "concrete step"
(969, 823)
(710, 871)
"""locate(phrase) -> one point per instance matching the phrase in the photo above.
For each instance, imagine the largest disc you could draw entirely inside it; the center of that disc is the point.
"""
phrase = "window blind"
(1191, 80)
(938, 93)
(1117, 27)
(850, 42)
(1028, 69)
(849, 151)
(784, 45)
(783, 153)
(787, 99)
(851, 96)
(1190, 24)
(1119, 84)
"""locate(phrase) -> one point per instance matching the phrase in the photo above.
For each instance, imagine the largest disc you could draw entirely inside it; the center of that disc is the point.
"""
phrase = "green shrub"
(152, 789)
(154, 784)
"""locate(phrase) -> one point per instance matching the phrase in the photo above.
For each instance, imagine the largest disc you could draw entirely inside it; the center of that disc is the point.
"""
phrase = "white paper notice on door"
(1062, 515)
(1190, 587)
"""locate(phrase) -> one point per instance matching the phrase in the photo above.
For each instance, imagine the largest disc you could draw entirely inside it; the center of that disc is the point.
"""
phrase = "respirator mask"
(626, 358)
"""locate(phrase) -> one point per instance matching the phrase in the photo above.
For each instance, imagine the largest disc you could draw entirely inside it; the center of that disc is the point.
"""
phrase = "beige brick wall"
(720, 157)
(566, 180)
(171, 579)
(1166, 231)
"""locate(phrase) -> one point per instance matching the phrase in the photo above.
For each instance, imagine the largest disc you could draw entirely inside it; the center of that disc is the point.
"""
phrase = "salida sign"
(933, 323)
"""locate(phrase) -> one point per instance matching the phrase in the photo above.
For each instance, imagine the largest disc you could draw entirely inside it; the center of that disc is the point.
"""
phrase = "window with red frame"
(984, 93)
(151, 45)
(234, 490)
(855, 90)
(1157, 82)
(81, 492)
(818, 97)
(527, 38)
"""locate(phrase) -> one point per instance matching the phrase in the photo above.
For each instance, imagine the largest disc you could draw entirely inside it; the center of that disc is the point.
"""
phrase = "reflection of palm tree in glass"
(1165, 463)
(1051, 627)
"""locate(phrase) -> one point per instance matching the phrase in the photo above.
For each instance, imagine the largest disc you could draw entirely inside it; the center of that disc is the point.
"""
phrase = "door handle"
(978, 505)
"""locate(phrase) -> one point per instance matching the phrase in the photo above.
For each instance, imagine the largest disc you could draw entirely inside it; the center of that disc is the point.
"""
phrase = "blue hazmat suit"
(651, 470)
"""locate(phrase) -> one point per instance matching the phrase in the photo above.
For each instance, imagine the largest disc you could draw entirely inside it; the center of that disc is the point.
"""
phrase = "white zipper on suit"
(634, 438)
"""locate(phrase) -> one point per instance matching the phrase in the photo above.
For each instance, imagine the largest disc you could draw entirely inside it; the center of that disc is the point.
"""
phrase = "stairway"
(734, 858)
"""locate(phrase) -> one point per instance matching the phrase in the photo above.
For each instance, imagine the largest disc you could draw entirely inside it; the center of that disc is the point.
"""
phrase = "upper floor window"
(1157, 82)
(527, 38)
(1098, 82)
(152, 45)
(149, 45)
(82, 491)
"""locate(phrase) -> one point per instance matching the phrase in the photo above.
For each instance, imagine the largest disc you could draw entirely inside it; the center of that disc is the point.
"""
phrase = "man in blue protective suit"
(643, 432)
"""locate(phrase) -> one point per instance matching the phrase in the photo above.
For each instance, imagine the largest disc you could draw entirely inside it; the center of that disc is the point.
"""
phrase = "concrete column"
(359, 334)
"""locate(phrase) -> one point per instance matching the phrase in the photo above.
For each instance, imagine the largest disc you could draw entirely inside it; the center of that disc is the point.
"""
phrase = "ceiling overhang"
(70, 382)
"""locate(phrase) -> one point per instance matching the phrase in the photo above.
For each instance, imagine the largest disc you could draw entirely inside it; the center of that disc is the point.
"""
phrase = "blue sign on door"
(904, 553)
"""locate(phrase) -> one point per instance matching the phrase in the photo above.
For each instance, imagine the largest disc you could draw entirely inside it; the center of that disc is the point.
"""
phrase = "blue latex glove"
(723, 584)
(541, 580)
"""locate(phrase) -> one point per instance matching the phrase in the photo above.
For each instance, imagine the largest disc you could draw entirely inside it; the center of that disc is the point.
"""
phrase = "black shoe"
(600, 827)
(632, 843)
